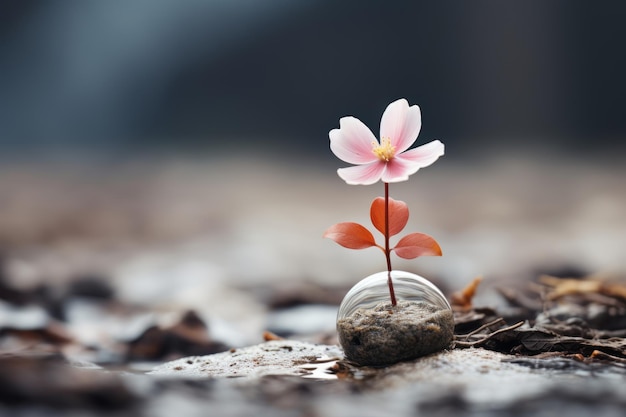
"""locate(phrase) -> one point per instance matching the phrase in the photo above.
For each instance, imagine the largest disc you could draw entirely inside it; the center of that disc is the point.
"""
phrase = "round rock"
(388, 334)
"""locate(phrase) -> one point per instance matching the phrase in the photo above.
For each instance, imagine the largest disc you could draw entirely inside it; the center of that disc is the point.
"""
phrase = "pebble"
(389, 334)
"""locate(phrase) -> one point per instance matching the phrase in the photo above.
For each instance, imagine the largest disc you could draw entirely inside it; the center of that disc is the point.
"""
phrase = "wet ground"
(112, 268)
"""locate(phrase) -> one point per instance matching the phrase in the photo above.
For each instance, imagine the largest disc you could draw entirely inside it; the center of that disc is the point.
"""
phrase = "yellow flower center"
(385, 151)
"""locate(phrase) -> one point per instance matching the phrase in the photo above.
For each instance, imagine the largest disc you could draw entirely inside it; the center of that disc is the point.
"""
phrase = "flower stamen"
(385, 151)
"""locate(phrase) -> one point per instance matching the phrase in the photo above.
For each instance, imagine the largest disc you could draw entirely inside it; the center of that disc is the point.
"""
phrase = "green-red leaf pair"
(355, 236)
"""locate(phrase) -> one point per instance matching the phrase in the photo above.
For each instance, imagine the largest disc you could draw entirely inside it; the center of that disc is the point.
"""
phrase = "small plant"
(388, 160)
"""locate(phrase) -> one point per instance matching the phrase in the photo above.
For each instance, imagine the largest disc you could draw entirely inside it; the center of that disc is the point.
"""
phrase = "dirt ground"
(113, 267)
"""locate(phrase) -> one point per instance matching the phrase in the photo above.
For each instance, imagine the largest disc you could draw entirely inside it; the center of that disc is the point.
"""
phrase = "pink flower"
(387, 160)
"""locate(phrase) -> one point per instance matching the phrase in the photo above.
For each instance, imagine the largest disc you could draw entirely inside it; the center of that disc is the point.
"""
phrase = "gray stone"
(388, 334)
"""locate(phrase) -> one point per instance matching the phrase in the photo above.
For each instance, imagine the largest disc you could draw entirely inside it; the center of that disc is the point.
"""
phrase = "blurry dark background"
(174, 154)
(162, 75)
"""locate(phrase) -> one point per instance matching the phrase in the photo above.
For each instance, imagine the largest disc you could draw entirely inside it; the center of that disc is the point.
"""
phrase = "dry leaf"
(463, 298)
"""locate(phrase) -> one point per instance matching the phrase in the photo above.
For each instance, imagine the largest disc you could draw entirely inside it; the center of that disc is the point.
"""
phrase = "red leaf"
(351, 235)
(398, 215)
(417, 244)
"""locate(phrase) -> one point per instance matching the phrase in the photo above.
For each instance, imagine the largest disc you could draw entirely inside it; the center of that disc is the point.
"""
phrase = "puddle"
(321, 368)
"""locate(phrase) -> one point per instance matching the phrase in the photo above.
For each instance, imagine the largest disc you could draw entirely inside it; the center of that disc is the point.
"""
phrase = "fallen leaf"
(267, 336)
(463, 298)
(535, 340)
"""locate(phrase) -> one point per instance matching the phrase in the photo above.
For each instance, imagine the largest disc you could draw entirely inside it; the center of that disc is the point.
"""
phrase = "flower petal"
(424, 155)
(401, 124)
(352, 142)
(362, 174)
(399, 169)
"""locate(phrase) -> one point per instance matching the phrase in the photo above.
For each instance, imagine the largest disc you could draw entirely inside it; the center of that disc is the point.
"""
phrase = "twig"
(483, 327)
(462, 344)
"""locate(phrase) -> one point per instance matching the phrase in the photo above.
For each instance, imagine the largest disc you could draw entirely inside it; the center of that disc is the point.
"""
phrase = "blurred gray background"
(151, 75)
(178, 152)
(149, 131)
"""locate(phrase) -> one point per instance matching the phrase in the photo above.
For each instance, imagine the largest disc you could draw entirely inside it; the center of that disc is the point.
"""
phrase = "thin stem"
(387, 251)
(392, 293)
